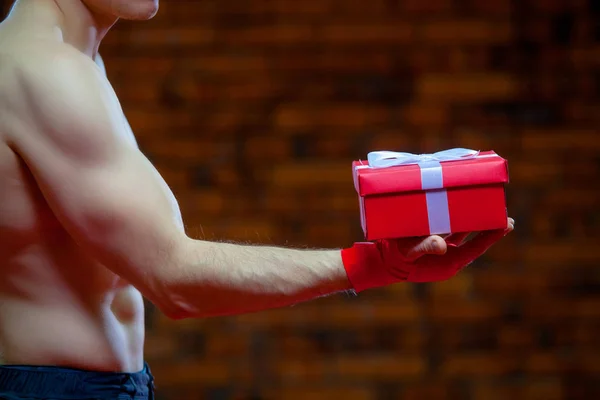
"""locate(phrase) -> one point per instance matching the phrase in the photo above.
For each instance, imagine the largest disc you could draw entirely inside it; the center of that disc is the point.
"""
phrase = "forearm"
(224, 279)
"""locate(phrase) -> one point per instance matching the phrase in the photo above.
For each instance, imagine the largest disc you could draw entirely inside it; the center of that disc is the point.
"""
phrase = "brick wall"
(253, 111)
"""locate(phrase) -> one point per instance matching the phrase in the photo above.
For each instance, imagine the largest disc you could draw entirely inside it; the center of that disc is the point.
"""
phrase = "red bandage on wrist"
(366, 267)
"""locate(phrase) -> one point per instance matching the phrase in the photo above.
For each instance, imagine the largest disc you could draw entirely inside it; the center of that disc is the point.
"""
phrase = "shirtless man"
(88, 226)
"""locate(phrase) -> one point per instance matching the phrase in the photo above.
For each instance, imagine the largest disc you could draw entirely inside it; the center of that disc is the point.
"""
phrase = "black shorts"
(27, 382)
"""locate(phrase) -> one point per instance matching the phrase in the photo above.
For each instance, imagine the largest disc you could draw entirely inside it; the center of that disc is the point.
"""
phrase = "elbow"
(181, 292)
(159, 288)
(171, 307)
(170, 302)
(178, 303)
(166, 287)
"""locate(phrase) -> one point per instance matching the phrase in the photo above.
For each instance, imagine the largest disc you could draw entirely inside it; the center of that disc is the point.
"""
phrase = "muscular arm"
(117, 207)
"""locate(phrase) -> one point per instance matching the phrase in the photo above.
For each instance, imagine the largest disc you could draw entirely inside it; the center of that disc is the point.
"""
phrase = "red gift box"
(407, 195)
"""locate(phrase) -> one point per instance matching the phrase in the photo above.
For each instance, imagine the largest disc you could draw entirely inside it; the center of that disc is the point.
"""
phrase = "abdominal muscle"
(57, 306)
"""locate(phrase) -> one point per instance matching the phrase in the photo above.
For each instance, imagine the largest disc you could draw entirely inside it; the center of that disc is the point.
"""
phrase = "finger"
(456, 239)
(405, 245)
(510, 224)
(475, 248)
(432, 245)
(432, 268)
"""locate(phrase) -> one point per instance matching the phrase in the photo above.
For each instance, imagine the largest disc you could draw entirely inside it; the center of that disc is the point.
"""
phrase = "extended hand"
(380, 263)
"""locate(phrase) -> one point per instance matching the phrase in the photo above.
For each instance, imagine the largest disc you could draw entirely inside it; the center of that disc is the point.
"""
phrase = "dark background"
(253, 111)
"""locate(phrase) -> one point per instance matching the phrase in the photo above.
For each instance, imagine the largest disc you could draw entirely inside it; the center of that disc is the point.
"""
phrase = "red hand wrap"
(370, 265)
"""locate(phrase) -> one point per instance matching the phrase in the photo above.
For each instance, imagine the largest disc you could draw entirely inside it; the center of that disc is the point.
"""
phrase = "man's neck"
(76, 24)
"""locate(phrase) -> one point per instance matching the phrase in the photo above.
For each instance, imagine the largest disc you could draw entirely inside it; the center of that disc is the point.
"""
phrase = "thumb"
(433, 245)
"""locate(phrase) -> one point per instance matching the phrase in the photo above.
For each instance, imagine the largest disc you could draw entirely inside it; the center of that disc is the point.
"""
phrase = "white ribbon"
(432, 179)
(385, 159)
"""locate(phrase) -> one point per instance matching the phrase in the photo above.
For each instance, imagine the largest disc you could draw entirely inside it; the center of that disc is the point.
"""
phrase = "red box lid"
(486, 168)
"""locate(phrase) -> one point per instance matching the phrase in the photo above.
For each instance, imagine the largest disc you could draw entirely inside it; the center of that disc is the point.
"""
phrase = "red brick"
(557, 253)
(274, 35)
(427, 114)
(466, 88)
(247, 230)
(580, 113)
(169, 36)
(584, 57)
(482, 139)
(363, 34)
(516, 337)
(284, 202)
(337, 60)
(412, 340)
(130, 66)
(549, 6)
(294, 346)
(586, 334)
(220, 346)
(489, 391)
(492, 8)
(393, 140)
(505, 253)
(267, 149)
(291, 116)
(400, 291)
(577, 198)
(160, 346)
(182, 149)
(458, 287)
(538, 390)
(542, 227)
(374, 368)
(297, 175)
(357, 368)
(303, 370)
(325, 147)
(149, 121)
(581, 140)
(543, 390)
(279, 7)
(136, 92)
(456, 310)
(179, 373)
(203, 202)
(343, 315)
(500, 284)
(425, 60)
(437, 390)
(544, 363)
(477, 365)
(466, 32)
(429, 7)
(543, 310)
(535, 173)
(224, 64)
(331, 234)
(304, 392)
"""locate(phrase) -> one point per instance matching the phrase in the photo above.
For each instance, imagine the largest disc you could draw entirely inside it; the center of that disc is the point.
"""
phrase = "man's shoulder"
(57, 76)
(44, 65)
(63, 89)
(59, 61)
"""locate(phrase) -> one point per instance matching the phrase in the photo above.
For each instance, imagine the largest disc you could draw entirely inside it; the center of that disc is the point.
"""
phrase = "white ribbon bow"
(385, 159)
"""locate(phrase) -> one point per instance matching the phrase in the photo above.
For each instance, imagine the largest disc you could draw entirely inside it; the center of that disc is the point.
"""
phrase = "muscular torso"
(57, 305)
